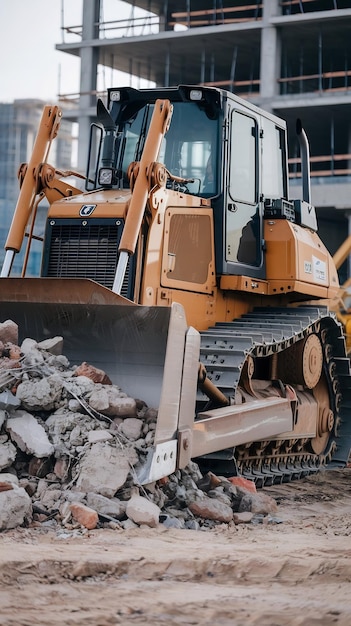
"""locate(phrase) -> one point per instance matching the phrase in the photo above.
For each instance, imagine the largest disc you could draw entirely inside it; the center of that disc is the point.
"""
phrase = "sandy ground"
(297, 572)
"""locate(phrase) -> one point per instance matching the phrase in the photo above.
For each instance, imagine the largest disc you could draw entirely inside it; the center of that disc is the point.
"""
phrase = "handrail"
(336, 74)
(148, 22)
(287, 3)
(322, 173)
(124, 27)
(244, 7)
(332, 171)
(317, 159)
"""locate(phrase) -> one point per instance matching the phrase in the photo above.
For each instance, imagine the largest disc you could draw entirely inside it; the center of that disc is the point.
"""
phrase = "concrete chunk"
(29, 435)
(6, 477)
(210, 508)
(8, 401)
(42, 395)
(53, 345)
(106, 506)
(142, 511)
(3, 416)
(131, 428)
(99, 435)
(111, 402)
(15, 507)
(258, 503)
(7, 454)
(104, 469)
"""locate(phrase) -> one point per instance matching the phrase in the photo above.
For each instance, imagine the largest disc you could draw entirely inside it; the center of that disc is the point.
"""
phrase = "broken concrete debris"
(29, 435)
(71, 443)
(15, 503)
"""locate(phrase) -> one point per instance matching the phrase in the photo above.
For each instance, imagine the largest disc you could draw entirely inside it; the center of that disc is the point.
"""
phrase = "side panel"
(188, 254)
(297, 260)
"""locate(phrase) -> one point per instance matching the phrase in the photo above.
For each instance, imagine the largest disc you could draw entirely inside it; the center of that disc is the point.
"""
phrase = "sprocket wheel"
(302, 364)
(312, 361)
(325, 417)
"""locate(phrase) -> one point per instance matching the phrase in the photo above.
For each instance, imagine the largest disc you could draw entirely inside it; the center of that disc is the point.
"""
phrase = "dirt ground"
(295, 571)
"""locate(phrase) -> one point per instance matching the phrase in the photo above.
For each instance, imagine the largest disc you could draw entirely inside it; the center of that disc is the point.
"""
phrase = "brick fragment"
(244, 483)
(94, 373)
(84, 515)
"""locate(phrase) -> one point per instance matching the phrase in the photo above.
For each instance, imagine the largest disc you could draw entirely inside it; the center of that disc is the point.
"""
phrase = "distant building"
(19, 122)
(291, 57)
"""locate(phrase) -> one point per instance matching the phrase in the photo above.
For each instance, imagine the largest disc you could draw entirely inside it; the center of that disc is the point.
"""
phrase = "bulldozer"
(186, 272)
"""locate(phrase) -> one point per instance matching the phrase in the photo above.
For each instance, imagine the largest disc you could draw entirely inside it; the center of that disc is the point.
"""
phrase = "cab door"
(243, 215)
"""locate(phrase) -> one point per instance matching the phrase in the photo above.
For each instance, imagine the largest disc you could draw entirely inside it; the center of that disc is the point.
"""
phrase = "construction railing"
(336, 165)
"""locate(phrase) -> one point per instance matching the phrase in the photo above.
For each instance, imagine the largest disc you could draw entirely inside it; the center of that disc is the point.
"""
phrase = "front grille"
(90, 250)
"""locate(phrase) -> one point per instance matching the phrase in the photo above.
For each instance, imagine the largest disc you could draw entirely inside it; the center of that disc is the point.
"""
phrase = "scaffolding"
(222, 43)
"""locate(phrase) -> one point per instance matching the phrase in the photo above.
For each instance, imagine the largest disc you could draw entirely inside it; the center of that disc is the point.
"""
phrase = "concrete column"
(164, 17)
(270, 54)
(167, 68)
(88, 77)
(203, 66)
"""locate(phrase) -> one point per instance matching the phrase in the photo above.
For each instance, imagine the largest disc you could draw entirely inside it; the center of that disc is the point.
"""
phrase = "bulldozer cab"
(217, 147)
(190, 150)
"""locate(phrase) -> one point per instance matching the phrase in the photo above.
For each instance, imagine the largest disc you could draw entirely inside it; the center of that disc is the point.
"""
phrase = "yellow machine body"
(175, 258)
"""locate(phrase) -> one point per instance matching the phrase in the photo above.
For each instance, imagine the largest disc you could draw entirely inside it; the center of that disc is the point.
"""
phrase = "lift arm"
(48, 129)
(159, 125)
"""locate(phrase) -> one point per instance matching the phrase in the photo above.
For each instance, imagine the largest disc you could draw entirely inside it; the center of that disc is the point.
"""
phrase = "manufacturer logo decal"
(87, 210)
(319, 270)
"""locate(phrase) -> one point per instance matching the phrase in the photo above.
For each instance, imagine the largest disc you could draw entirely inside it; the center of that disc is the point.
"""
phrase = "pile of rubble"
(71, 445)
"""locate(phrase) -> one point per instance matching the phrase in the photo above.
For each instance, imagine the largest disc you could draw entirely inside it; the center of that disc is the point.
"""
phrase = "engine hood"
(101, 203)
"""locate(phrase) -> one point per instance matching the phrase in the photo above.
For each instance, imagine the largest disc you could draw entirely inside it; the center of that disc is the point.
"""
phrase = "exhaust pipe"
(305, 162)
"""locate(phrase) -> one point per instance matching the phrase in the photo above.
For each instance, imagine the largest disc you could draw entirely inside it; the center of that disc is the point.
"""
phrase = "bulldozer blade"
(142, 349)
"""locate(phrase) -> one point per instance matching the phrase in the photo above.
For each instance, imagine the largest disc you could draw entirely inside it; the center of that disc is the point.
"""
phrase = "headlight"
(115, 96)
(195, 94)
(105, 176)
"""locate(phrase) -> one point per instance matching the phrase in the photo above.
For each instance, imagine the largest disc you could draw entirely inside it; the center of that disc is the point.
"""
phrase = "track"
(274, 333)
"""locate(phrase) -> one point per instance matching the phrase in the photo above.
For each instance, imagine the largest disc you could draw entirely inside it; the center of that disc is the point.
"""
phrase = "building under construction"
(291, 57)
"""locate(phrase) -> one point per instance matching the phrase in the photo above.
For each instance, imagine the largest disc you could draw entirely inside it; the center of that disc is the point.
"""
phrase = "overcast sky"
(30, 67)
